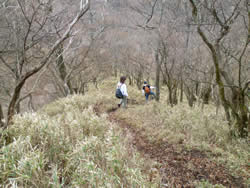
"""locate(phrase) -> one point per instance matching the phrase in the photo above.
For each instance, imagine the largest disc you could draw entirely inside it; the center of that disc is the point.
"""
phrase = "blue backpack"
(118, 93)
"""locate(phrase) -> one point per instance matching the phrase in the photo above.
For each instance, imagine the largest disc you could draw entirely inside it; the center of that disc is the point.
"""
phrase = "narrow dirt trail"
(177, 167)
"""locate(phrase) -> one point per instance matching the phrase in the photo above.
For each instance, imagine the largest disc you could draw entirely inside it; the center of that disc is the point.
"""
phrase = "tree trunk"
(62, 68)
(220, 83)
(181, 91)
(18, 108)
(95, 82)
(1, 116)
(206, 95)
(238, 106)
(174, 97)
(170, 94)
(196, 88)
(130, 80)
(215, 51)
(157, 80)
(43, 63)
(190, 96)
(30, 103)
(138, 80)
(82, 88)
(243, 116)
(15, 97)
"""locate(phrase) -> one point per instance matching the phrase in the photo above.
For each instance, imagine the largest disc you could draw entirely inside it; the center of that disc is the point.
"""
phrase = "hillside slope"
(85, 141)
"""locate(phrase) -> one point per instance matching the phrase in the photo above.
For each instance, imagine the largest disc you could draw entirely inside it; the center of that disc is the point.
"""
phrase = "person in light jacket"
(123, 89)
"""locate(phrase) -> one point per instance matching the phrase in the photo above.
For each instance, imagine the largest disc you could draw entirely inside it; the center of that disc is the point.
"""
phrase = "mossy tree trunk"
(238, 110)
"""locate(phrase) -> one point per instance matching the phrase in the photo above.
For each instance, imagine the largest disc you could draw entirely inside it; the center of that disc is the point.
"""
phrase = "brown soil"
(178, 166)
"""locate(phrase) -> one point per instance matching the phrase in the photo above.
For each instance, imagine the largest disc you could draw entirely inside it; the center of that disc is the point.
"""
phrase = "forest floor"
(172, 159)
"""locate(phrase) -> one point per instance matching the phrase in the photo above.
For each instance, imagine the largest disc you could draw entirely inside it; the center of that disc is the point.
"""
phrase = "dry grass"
(192, 128)
(66, 144)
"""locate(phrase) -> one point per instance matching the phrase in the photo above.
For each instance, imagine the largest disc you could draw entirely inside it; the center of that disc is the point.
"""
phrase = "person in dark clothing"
(147, 90)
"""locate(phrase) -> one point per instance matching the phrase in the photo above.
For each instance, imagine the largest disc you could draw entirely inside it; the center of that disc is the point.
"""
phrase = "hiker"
(146, 89)
(121, 92)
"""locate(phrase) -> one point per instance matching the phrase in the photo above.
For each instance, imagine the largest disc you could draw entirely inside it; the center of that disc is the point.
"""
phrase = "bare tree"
(35, 22)
(215, 20)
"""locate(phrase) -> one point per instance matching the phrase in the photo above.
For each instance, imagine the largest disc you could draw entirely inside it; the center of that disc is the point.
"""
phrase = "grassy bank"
(66, 144)
(72, 143)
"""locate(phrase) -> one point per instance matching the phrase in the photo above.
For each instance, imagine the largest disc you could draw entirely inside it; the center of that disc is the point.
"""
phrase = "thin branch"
(43, 63)
(25, 16)
(152, 13)
(246, 86)
(213, 84)
(7, 65)
(197, 70)
(33, 88)
(194, 10)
